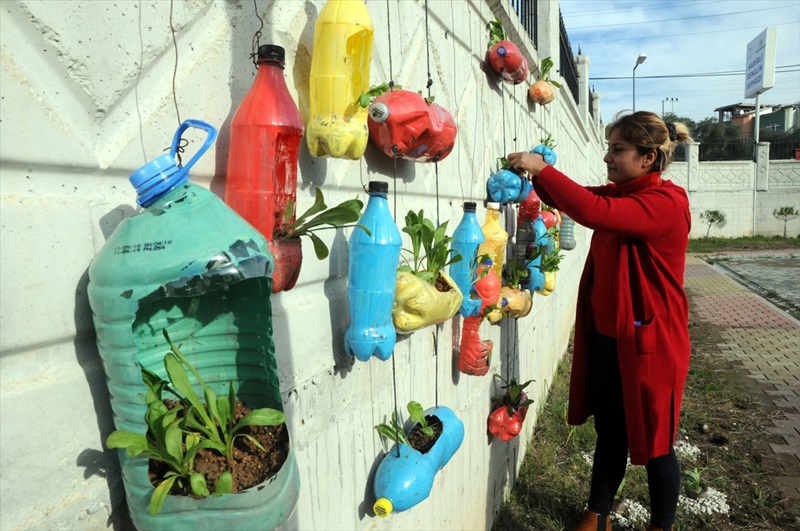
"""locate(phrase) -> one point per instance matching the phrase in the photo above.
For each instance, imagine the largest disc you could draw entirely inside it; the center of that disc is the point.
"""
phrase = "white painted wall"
(87, 97)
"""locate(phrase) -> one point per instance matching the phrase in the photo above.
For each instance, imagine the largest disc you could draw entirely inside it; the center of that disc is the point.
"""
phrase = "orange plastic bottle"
(496, 238)
(474, 355)
(265, 138)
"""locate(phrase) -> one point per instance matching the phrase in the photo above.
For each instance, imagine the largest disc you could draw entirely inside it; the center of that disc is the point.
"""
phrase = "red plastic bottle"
(473, 353)
(529, 208)
(265, 137)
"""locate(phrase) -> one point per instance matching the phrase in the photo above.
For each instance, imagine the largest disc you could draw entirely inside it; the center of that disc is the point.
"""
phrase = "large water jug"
(340, 64)
(190, 265)
(372, 279)
(466, 240)
(265, 136)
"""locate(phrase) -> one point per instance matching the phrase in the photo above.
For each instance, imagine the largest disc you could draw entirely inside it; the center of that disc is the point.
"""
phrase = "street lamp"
(639, 60)
(673, 100)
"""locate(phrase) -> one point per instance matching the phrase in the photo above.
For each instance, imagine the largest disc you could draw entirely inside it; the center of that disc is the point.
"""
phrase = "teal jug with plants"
(372, 279)
(190, 270)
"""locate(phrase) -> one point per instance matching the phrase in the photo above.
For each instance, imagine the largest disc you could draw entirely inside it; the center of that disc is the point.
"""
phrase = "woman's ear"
(649, 159)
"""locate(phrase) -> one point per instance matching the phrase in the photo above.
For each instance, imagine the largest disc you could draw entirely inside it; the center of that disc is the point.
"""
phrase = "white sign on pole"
(760, 65)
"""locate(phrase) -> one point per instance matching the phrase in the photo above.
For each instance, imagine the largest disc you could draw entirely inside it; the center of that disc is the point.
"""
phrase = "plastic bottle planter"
(418, 304)
(505, 422)
(288, 256)
(191, 265)
(535, 279)
(474, 354)
(402, 124)
(542, 91)
(567, 233)
(504, 56)
(466, 240)
(516, 302)
(507, 187)
(488, 289)
(529, 208)
(547, 154)
(496, 238)
(340, 65)
(265, 137)
(405, 476)
(372, 278)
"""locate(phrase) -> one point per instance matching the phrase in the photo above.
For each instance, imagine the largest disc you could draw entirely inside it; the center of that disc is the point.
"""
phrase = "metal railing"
(527, 13)
(566, 66)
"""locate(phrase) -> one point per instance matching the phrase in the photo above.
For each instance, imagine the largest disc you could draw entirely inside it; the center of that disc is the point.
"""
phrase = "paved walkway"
(759, 336)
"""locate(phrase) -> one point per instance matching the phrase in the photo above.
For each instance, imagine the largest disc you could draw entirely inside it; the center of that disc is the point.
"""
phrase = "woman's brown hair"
(648, 132)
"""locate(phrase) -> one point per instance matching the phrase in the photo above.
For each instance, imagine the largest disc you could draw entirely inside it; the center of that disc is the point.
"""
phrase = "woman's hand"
(532, 163)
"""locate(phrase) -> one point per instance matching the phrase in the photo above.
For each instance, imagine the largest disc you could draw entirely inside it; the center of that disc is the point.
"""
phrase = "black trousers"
(611, 452)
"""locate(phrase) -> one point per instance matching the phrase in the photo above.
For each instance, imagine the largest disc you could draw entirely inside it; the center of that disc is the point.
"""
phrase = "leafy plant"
(341, 216)
(513, 397)
(175, 435)
(548, 141)
(551, 261)
(497, 32)
(430, 247)
(513, 272)
(785, 213)
(712, 217)
(394, 430)
(366, 97)
(544, 71)
(691, 483)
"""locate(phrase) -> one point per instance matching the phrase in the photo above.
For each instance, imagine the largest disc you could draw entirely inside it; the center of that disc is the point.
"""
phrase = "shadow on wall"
(102, 463)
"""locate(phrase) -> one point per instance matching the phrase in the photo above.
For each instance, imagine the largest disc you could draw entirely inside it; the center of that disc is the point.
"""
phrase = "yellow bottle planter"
(518, 301)
(549, 283)
(340, 66)
(418, 304)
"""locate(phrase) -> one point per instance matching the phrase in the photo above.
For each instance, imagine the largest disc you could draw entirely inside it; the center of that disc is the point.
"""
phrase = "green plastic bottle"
(188, 264)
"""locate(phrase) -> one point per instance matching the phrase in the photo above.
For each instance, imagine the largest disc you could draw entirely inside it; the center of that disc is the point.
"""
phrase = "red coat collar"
(647, 180)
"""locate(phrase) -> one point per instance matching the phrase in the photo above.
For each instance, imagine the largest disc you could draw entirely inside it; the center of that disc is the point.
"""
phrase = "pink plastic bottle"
(265, 137)
(529, 208)
(473, 354)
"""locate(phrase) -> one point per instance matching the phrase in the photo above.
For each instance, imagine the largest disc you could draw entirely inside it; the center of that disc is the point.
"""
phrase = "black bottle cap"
(380, 187)
(469, 206)
(271, 52)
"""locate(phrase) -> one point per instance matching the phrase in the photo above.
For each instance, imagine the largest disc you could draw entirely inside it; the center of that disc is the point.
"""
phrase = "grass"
(721, 435)
(746, 243)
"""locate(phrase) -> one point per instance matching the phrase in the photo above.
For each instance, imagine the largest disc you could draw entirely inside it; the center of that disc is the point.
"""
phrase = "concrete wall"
(88, 96)
(746, 192)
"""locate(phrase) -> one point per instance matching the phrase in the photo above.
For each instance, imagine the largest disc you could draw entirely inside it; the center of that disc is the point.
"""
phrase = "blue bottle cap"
(156, 178)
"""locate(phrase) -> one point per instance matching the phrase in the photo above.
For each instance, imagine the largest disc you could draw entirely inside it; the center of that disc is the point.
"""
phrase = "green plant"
(175, 434)
(548, 141)
(544, 71)
(430, 247)
(342, 215)
(497, 32)
(785, 213)
(712, 217)
(692, 483)
(366, 97)
(513, 272)
(551, 260)
(394, 430)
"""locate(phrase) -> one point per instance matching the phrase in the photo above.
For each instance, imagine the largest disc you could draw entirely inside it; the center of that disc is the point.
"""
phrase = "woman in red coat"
(632, 324)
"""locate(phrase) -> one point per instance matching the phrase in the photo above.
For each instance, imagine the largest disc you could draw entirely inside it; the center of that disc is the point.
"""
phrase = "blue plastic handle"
(198, 124)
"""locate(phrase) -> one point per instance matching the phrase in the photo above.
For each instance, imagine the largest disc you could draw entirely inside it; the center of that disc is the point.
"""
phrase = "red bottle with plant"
(505, 421)
(504, 56)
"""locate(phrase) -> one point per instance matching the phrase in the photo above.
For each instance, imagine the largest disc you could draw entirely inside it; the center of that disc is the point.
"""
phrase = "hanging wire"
(256, 36)
(136, 85)
(175, 69)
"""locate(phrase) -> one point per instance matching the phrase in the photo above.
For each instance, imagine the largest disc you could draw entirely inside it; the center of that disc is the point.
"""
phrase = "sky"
(699, 48)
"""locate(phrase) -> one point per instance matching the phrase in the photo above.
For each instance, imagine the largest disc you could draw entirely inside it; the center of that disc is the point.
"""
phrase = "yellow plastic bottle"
(340, 62)
(496, 238)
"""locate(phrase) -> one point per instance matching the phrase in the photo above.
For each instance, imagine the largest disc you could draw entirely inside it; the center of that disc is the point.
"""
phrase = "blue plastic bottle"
(507, 187)
(372, 277)
(466, 239)
(405, 476)
(535, 280)
(190, 265)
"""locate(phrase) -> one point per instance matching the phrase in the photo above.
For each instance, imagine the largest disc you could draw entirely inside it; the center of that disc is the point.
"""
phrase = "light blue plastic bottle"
(405, 476)
(372, 278)
(506, 187)
(566, 238)
(190, 265)
(466, 239)
(535, 280)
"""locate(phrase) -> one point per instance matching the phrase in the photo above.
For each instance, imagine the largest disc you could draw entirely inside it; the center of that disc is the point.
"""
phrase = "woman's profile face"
(623, 161)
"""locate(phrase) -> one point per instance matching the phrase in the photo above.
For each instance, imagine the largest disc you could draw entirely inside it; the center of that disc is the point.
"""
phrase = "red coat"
(651, 221)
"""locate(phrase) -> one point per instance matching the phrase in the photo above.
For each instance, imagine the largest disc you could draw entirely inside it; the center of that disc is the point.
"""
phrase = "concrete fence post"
(692, 166)
(762, 166)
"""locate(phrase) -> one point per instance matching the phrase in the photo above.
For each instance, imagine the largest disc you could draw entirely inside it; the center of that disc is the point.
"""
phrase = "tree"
(785, 213)
(721, 141)
(712, 217)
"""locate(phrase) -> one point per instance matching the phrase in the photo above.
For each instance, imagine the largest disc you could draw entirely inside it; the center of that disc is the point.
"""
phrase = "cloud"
(680, 38)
